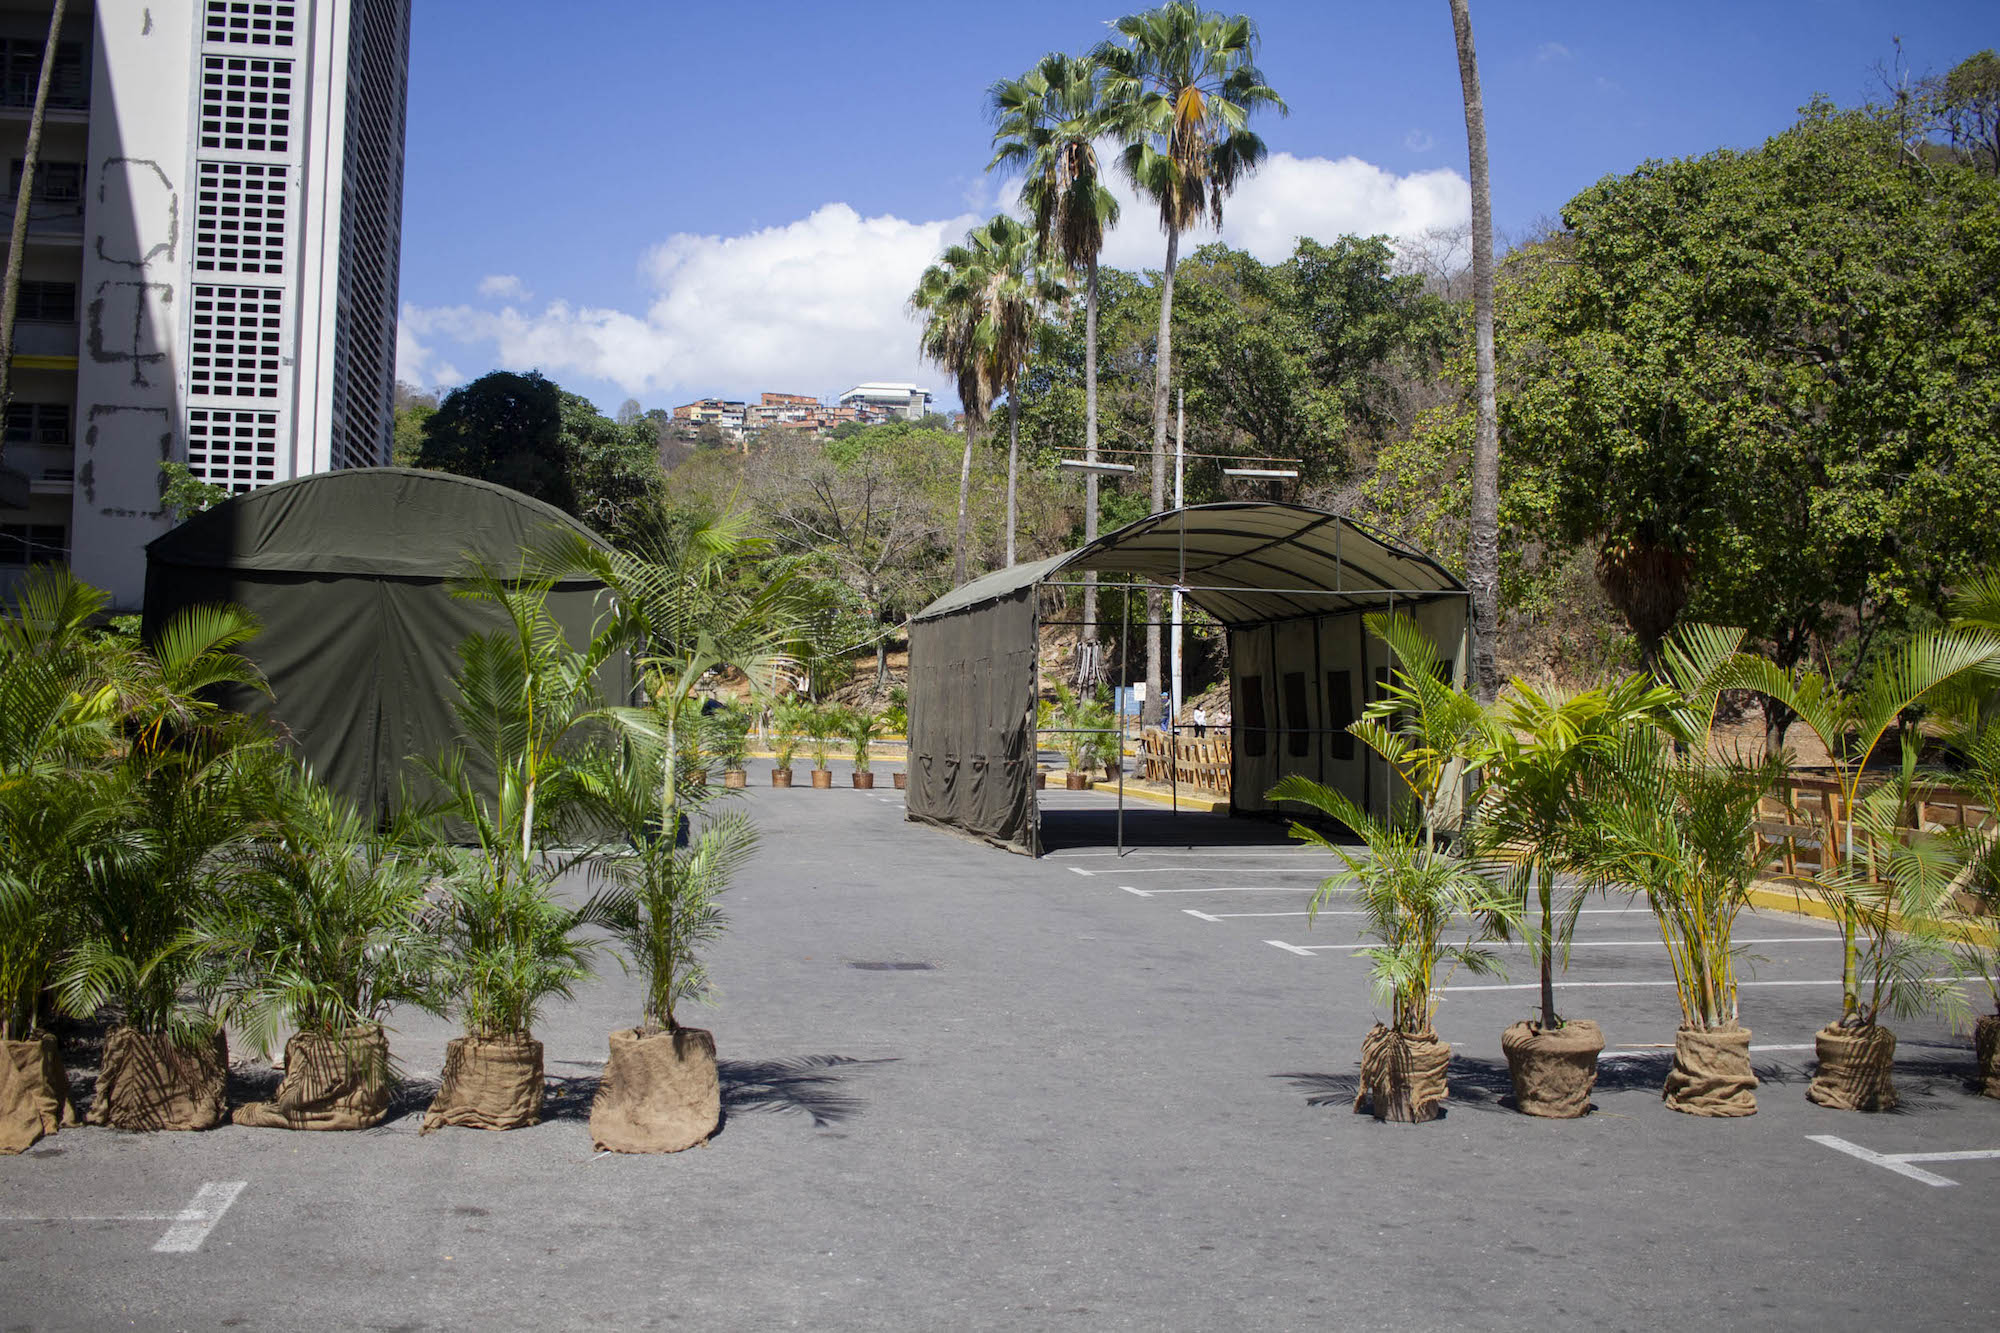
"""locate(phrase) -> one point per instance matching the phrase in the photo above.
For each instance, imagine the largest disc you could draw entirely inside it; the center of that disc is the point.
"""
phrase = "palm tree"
(951, 296)
(1046, 123)
(1180, 91)
(1483, 560)
(984, 301)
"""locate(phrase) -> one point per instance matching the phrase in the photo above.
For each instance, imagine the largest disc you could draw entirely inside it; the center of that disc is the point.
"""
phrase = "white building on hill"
(888, 400)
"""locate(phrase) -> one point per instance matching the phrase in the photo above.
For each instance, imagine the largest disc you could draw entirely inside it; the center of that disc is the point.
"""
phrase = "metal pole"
(1124, 657)
(1180, 459)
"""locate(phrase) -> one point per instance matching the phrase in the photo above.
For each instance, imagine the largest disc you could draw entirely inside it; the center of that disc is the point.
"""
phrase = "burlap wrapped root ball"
(1986, 1044)
(332, 1082)
(34, 1093)
(660, 1091)
(1711, 1075)
(1402, 1075)
(488, 1083)
(150, 1081)
(1855, 1068)
(1553, 1071)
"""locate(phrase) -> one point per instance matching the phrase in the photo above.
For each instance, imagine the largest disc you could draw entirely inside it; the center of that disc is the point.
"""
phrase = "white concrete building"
(211, 270)
(888, 400)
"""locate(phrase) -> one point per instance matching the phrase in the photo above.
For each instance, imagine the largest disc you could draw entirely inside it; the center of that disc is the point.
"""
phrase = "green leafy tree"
(1181, 84)
(1757, 384)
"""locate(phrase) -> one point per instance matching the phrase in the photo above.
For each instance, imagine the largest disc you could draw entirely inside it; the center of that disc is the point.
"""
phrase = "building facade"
(211, 267)
(885, 401)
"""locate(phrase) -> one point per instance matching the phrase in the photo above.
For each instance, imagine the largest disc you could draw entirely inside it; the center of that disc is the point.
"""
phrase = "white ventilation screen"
(246, 104)
(249, 22)
(236, 343)
(237, 449)
(239, 223)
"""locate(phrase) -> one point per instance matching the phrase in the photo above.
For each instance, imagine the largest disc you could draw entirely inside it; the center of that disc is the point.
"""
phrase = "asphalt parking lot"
(967, 1089)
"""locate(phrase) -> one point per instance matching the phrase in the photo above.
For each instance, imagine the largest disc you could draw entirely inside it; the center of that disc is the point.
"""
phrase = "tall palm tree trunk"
(1483, 559)
(1149, 713)
(964, 497)
(1013, 462)
(1089, 670)
(10, 286)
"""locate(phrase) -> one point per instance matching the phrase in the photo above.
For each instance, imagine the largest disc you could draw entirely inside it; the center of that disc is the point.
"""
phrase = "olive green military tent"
(1290, 585)
(349, 573)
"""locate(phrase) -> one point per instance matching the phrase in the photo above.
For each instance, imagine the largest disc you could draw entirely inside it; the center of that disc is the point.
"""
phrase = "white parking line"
(1224, 888)
(1207, 870)
(1355, 911)
(1899, 1162)
(1536, 985)
(196, 1220)
(1292, 948)
(191, 1224)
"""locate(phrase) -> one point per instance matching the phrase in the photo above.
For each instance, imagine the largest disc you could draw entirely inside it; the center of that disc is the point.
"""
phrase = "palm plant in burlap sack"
(323, 933)
(507, 815)
(1862, 852)
(1532, 828)
(1413, 883)
(1678, 822)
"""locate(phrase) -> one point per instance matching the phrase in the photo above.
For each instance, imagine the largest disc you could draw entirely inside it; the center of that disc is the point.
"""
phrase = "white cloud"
(417, 364)
(503, 286)
(818, 304)
(1290, 197)
(1419, 141)
(1550, 53)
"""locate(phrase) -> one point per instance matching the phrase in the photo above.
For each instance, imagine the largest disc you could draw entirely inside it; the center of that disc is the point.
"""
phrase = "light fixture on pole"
(1082, 466)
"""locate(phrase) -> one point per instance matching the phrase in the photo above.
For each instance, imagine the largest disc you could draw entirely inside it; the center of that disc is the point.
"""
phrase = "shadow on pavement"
(1149, 826)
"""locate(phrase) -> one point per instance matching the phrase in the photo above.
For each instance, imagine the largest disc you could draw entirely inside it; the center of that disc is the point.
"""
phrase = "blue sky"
(664, 201)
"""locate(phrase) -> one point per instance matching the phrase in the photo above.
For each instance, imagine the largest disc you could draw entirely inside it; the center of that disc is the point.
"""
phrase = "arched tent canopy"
(349, 574)
(1290, 585)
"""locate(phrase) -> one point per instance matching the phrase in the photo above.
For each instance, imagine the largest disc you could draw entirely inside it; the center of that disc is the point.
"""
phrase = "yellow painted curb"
(1803, 902)
(1158, 796)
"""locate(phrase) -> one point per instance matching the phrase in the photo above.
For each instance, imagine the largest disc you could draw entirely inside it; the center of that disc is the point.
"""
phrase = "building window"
(236, 343)
(21, 70)
(47, 302)
(239, 223)
(246, 104)
(236, 449)
(33, 543)
(38, 423)
(248, 22)
(55, 182)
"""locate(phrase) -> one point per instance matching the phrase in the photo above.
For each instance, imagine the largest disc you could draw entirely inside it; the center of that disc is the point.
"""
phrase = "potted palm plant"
(1542, 754)
(660, 1091)
(687, 602)
(1856, 1053)
(732, 745)
(862, 727)
(1411, 882)
(896, 722)
(1079, 723)
(788, 723)
(190, 787)
(321, 935)
(1679, 824)
(1978, 845)
(528, 708)
(822, 724)
(58, 707)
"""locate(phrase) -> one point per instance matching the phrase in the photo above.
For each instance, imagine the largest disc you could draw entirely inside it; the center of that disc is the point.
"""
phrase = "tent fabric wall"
(349, 574)
(972, 736)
